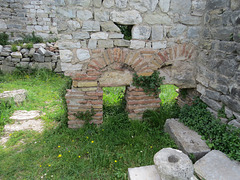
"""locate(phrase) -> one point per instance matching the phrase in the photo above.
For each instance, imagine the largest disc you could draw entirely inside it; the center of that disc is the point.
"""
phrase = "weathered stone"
(83, 54)
(99, 35)
(108, 3)
(83, 3)
(81, 35)
(71, 67)
(234, 123)
(116, 36)
(38, 57)
(105, 43)
(177, 30)
(228, 67)
(216, 4)
(25, 59)
(88, 84)
(189, 20)
(100, 15)
(121, 3)
(164, 5)
(235, 4)
(126, 17)
(23, 115)
(110, 26)
(84, 15)
(17, 95)
(45, 65)
(180, 6)
(38, 45)
(141, 32)
(216, 165)
(157, 32)
(116, 78)
(136, 44)
(97, 3)
(91, 26)
(228, 112)
(173, 164)
(92, 44)
(231, 103)
(150, 4)
(194, 32)
(186, 139)
(121, 43)
(41, 51)
(159, 45)
(66, 56)
(68, 45)
(138, 5)
(157, 19)
(16, 55)
(70, 13)
(3, 25)
(73, 25)
(1, 48)
(222, 33)
(212, 94)
(143, 173)
(212, 103)
(15, 60)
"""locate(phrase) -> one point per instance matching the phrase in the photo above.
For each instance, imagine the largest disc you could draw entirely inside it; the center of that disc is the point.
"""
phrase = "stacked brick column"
(138, 101)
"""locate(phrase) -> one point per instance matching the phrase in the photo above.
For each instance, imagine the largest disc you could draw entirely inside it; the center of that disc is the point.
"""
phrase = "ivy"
(150, 84)
(85, 116)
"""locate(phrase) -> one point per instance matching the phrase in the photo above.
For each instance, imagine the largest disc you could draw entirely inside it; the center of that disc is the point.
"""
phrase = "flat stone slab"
(36, 125)
(23, 115)
(187, 140)
(143, 173)
(216, 165)
(18, 95)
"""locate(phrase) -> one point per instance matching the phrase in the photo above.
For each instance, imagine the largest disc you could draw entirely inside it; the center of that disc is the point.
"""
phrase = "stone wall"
(218, 74)
(39, 56)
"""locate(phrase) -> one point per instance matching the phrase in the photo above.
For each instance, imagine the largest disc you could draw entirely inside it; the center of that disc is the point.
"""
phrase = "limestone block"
(164, 5)
(71, 67)
(237, 115)
(18, 95)
(38, 45)
(66, 56)
(99, 35)
(136, 44)
(23, 115)
(91, 26)
(100, 15)
(3, 25)
(23, 64)
(141, 32)
(201, 89)
(58, 2)
(177, 30)
(211, 103)
(138, 5)
(16, 55)
(110, 26)
(97, 3)
(157, 19)
(25, 59)
(143, 173)
(81, 35)
(194, 32)
(126, 17)
(73, 25)
(121, 43)
(38, 57)
(83, 54)
(189, 20)
(68, 45)
(105, 43)
(181, 6)
(49, 53)
(235, 4)
(228, 112)
(159, 45)
(83, 3)
(173, 164)
(233, 104)
(41, 51)
(121, 3)
(46, 65)
(1, 48)
(108, 3)
(216, 165)
(116, 36)
(186, 139)
(150, 4)
(87, 84)
(234, 123)
(212, 94)
(70, 13)
(15, 60)
(157, 32)
(92, 44)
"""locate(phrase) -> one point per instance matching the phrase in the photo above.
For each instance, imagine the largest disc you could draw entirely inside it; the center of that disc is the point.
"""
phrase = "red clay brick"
(144, 101)
(147, 52)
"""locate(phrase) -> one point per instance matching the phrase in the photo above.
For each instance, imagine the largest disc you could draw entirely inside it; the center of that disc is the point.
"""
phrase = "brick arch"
(87, 91)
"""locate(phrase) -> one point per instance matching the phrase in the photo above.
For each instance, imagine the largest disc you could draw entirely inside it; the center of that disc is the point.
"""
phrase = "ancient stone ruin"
(193, 43)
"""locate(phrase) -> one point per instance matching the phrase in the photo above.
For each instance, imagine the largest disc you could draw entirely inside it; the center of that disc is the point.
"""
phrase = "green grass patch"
(168, 93)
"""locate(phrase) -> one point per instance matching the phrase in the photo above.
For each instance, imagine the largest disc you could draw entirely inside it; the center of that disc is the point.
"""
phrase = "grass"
(103, 152)
(168, 93)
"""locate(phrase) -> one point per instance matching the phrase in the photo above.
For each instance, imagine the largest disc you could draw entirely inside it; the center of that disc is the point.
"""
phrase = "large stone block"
(216, 4)
(141, 32)
(216, 165)
(3, 25)
(99, 35)
(164, 5)
(157, 32)
(126, 17)
(150, 4)
(70, 13)
(38, 57)
(231, 103)
(16, 55)
(84, 15)
(66, 56)
(91, 26)
(177, 30)
(189, 20)
(159, 45)
(97, 3)
(181, 6)
(136, 44)
(143, 173)
(215, 105)
(121, 3)
(100, 15)
(82, 54)
(110, 26)
(235, 4)
(68, 45)
(108, 3)
(105, 43)
(121, 43)
(83, 3)
(88, 84)
(81, 35)
(18, 95)
(92, 44)
(186, 139)
(157, 19)
(71, 67)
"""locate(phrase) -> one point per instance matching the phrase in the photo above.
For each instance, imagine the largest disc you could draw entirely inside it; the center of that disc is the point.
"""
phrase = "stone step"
(216, 165)
(18, 95)
(23, 115)
(186, 139)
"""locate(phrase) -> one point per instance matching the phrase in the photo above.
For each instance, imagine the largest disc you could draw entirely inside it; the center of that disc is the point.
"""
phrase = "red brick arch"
(87, 91)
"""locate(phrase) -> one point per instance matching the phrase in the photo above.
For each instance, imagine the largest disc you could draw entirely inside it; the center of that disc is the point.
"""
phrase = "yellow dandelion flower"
(10, 134)
(115, 161)
(59, 155)
(68, 151)
(49, 165)
(40, 165)
(102, 129)
(151, 147)
(72, 140)
(79, 156)
(92, 141)
(87, 137)
(59, 146)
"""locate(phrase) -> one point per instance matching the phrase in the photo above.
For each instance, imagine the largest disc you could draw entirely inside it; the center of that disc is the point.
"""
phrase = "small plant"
(126, 30)
(14, 48)
(3, 39)
(32, 38)
(85, 116)
(29, 45)
(150, 84)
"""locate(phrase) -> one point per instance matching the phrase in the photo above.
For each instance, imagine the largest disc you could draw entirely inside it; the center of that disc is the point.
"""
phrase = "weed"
(3, 39)
(126, 30)
(14, 48)
(85, 116)
(29, 45)
(32, 38)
